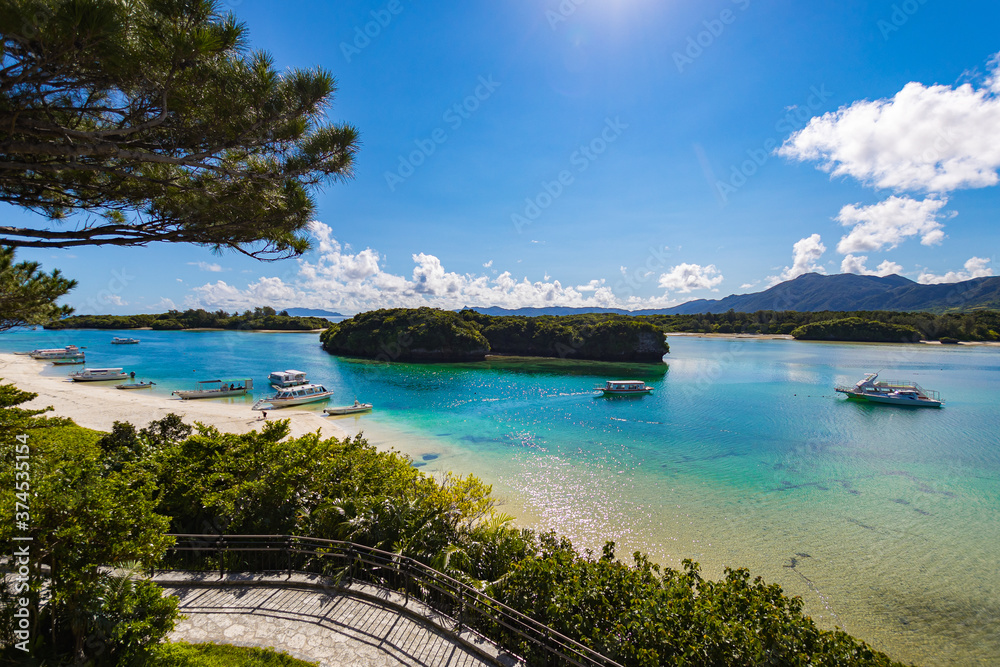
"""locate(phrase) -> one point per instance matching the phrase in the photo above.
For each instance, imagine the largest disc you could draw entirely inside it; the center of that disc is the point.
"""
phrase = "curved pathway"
(306, 620)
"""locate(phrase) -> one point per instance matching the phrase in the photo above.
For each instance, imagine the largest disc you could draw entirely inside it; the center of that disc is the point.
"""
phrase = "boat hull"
(625, 392)
(349, 409)
(302, 400)
(123, 376)
(141, 385)
(904, 402)
(209, 393)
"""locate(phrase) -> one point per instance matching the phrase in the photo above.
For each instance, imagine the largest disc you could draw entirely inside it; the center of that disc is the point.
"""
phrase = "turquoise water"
(884, 520)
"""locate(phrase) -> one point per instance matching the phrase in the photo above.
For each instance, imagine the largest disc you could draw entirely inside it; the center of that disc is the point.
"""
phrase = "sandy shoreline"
(100, 405)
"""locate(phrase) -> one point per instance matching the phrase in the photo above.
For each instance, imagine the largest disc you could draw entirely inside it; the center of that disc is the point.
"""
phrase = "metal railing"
(342, 561)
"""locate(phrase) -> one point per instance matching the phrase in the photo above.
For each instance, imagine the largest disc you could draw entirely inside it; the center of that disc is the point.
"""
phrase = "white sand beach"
(100, 405)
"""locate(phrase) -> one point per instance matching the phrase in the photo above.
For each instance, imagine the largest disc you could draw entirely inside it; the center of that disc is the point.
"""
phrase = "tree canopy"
(28, 295)
(149, 121)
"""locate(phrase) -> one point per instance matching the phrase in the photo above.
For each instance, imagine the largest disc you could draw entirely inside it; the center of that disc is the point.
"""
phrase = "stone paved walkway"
(319, 625)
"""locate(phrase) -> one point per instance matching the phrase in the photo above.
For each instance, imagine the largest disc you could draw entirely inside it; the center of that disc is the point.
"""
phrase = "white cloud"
(353, 282)
(749, 285)
(926, 138)
(205, 266)
(889, 223)
(975, 267)
(684, 278)
(805, 255)
(164, 304)
(856, 264)
(488, 264)
(592, 286)
(112, 300)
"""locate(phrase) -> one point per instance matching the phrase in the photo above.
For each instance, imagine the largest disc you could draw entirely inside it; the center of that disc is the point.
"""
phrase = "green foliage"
(855, 328)
(427, 334)
(639, 615)
(85, 515)
(259, 318)
(407, 334)
(182, 654)
(978, 325)
(154, 119)
(28, 295)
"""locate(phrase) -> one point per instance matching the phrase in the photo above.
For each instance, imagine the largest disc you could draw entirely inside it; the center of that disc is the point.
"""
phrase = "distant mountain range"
(813, 292)
(312, 312)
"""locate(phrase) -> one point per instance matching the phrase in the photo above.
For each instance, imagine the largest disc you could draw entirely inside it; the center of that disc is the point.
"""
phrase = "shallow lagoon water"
(886, 521)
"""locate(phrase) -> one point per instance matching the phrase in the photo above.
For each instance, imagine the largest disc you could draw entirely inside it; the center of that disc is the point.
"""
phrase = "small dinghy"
(349, 409)
(137, 385)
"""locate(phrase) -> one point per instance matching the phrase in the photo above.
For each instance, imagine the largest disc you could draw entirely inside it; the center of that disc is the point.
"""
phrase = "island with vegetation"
(430, 334)
(980, 325)
(857, 329)
(128, 489)
(265, 318)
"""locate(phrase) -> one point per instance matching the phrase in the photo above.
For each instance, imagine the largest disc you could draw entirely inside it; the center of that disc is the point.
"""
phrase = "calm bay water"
(886, 521)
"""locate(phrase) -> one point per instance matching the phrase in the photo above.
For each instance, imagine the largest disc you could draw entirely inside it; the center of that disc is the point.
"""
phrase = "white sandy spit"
(99, 405)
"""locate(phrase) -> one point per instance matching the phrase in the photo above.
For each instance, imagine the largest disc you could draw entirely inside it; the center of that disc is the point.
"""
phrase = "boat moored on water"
(891, 392)
(124, 341)
(290, 378)
(217, 389)
(299, 395)
(71, 361)
(349, 409)
(98, 375)
(68, 352)
(624, 388)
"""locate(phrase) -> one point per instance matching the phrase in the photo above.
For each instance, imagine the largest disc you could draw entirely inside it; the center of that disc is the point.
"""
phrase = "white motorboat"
(68, 352)
(98, 375)
(282, 379)
(217, 389)
(349, 409)
(891, 392)
(137, 385)
(124, 341)
(306, 393)
(624, 388)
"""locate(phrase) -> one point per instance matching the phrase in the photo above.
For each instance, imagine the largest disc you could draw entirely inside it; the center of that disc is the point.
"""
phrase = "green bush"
(183, 654)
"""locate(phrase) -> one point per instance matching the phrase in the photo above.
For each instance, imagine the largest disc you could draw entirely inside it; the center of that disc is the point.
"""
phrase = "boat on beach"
(290, 378)
(98, 375)
(216, 389)
(124, 341)
(349, 409)
(623, 388)
(68, 352)
(299, 395)
(891, 392)
(69, 362)
(137, 385)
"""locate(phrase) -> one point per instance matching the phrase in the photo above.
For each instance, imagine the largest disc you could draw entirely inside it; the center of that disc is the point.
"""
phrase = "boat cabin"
(301, 391)
(290, 378)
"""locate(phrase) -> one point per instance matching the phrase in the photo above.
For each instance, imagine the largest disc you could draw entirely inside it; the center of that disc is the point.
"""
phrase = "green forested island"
(429, 334)
(251, 320)
(857, 329)
(982, 325)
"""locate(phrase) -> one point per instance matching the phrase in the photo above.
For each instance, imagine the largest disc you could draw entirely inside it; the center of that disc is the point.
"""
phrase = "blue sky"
(631, 153)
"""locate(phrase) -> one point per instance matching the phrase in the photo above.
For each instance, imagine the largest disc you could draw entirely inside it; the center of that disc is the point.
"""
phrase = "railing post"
(288, 552)
(220, 546)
